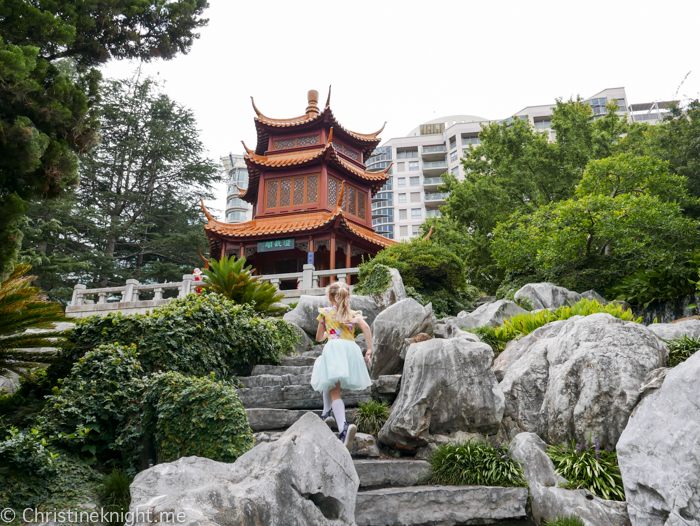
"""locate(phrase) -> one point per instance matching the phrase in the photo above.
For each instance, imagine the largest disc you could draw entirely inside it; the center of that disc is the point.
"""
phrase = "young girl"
(340, 365)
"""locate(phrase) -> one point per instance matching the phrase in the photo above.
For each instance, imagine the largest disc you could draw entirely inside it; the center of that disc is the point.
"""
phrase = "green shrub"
(588, 466)
(681, 349)
(233, 280)
(102, 393)
(115, 495)
(196, 416)
(374, 281)
(566, 520)
(371, 416)
(432, 270)
(488, 334)
(194, 335)
(475, 463)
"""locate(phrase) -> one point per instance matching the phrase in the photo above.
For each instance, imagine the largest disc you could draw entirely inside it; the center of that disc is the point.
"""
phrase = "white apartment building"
(437, 146)
(237, 210)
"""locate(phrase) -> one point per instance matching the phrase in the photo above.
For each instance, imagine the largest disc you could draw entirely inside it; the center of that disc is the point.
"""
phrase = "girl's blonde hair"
(339, 292)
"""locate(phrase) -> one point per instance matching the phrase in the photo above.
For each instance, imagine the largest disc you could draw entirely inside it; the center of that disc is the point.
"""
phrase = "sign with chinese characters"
(275, 244)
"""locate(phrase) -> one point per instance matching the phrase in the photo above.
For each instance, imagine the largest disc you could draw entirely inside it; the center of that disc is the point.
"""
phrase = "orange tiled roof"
(294, 223)
(307, 157)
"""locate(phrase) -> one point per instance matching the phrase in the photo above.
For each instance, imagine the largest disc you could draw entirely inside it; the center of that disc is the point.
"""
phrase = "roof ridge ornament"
(246, 148)
(340, 195)
(328, 100)
(206, 212)
(257, 111)
(379, 131)
(312, 108)
(330, 137)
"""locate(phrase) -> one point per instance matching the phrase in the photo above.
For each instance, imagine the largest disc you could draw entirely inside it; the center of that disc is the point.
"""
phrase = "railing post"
(342, 277)
(186, 286)
(128, 294)
(158, 294)
(307, 279)
(102, 297)
(314, 282)
(77, 298)
(276, 283)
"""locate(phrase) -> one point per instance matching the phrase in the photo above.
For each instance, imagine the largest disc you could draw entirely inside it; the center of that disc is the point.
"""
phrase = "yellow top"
(335, 329)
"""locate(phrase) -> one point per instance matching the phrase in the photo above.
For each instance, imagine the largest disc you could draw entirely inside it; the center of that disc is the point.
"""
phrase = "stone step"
(295, 397)
(439, 505)
(281, 369)
(270, 380)
(377, 474)
(298, 360)
(266, 419)
(365, 446)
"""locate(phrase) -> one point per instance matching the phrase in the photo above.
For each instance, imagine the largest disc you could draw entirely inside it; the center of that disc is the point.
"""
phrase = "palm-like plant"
(23, 307)
(232, 279)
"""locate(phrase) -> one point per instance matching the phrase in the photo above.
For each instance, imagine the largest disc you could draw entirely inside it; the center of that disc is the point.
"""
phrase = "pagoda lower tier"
(284, 244)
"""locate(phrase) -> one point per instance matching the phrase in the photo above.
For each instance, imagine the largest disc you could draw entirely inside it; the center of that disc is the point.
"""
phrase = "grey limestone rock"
(391, 473)
(392, 326)
(581, 378)
(446, 387)
(304, 342)
(394, 292)
(365, 446)
(489, 314)
(515, 349)
(550, 501)
(305, 477)
(593, 295)
(547, 295)
(659, 452)
(676, 330)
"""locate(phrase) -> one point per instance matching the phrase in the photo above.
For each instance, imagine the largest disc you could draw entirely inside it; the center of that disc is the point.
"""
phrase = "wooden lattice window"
(285, 143)
(332, 191)
(361, 204)
(352, 200)
(297, 191)
(309, 140)
(345, 150)
(272, 194)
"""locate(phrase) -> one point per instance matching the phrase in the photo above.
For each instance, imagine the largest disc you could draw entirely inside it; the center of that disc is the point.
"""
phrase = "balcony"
(432, 183)
(434, 167)
(434, 153)
(435, 199)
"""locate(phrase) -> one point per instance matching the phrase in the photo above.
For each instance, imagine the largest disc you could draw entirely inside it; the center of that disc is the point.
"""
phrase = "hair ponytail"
(339, 292)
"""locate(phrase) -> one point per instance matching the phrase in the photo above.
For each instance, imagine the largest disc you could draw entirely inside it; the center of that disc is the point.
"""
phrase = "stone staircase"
(390, 493)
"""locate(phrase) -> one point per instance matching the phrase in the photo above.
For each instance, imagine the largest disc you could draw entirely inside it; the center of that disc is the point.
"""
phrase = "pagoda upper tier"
(315, 138)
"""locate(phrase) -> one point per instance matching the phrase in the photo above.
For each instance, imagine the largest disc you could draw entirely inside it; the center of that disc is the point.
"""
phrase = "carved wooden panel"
(285, 143)
(299, 191)
(332, 191)
(352, 200)
(312, 189)
(307, 141)
(286, 192)
(361, 204)
(272, 194)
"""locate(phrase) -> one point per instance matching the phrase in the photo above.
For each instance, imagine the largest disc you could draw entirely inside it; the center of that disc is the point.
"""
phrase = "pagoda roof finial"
(312, 108)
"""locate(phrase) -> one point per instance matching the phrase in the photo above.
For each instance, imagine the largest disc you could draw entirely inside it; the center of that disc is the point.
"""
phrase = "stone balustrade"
(126, 299)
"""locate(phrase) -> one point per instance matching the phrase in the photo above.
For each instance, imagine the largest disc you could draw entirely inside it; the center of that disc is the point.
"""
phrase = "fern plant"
(233, 280)
(23, 307)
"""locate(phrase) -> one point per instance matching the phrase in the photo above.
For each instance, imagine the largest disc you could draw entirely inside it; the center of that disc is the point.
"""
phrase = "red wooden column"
(332, 255)
(348, 253)
(241, 253)
(311, 247)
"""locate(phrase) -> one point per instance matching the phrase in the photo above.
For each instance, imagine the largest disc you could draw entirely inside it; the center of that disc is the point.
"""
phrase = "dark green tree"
(49, 51)
(136, 213)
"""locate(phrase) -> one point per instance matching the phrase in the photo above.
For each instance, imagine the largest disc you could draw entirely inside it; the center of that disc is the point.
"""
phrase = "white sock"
(326, 402)
(339, 413)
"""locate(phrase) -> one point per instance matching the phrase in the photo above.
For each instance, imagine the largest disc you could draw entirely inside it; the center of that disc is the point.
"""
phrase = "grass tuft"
(371, 416)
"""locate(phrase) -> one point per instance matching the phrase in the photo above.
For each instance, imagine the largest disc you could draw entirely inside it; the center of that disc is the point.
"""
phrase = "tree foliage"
(49, 52)
(136, 213)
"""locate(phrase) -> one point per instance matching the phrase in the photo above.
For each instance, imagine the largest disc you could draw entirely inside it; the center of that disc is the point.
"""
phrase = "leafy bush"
(374, 281)
(523, 324)
(475, 463)
(566, 520)
(22, 307)
(681, 349)
(233, 280)
(489, 335)
(102, 393)
(27, 450)
(588, 466)
(371, 416)
(196, 416)
(194, 335)
(432, 270)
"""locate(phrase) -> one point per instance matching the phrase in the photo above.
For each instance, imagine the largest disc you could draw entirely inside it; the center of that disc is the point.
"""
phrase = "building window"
(415, 229)
(237, 216)
(407, 154)
(416, 213)
(354, 199)
(543, 122)
(403, 214)
(345, 150)
(455, 170)
(236, 202)
(299, 141)
(453, 156)
(415, 197)
(472, 138)
(402, 198)
(453, 143)
(413, 166)
(415, 181)
(404, 230)
(401, 167)
(402, 182)
(297, 191)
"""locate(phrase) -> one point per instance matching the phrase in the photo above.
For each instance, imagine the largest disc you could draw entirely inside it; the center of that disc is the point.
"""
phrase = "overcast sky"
(409, 61)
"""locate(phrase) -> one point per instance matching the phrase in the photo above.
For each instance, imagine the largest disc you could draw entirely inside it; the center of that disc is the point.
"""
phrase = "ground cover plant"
(681, 349)
(371, 416)
(588, 466)
(475, 463)
(566, 520)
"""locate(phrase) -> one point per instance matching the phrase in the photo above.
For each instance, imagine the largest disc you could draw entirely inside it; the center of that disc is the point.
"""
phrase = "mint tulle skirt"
(342, 362)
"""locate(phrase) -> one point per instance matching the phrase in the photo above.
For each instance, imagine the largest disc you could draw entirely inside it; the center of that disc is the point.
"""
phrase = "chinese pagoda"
(311, 196)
